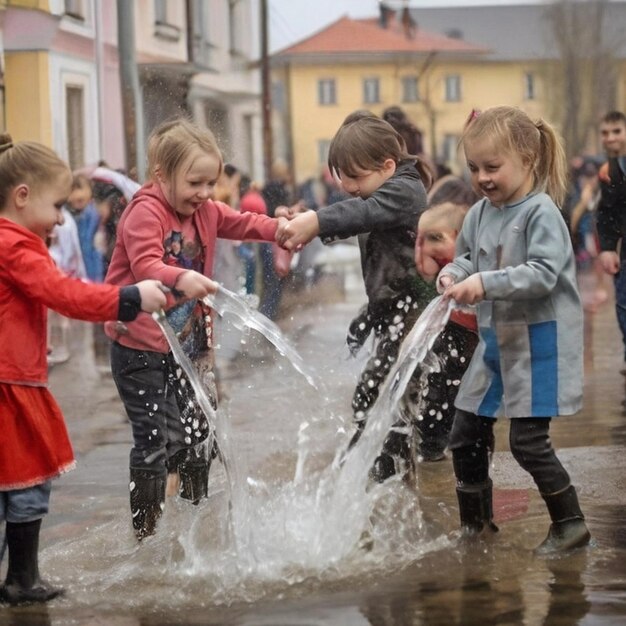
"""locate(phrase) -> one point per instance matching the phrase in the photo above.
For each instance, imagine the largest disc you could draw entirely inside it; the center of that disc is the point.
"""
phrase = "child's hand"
(427, 267)
(443, 282)
(299, 231)
(195, 285)
(468, 291)
(152, 295)
(610, 261)
(289, 211)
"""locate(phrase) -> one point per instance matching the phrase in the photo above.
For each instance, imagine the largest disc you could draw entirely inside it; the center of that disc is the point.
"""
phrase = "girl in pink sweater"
(168, 232)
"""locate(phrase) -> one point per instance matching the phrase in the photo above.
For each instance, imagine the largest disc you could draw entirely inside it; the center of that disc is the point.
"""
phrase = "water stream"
(252, 536)
(227, 302)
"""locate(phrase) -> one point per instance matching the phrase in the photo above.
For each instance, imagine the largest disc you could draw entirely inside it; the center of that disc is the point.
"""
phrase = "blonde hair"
(171, 142)
(365, 141)
(27, 162)
(449, 214)
(536, 142)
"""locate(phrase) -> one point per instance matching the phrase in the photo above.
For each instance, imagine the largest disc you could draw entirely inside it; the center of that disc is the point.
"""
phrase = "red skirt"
(34, 443)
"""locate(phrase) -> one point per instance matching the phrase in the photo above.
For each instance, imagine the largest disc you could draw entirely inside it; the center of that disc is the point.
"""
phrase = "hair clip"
(473, 115)
(5, 146)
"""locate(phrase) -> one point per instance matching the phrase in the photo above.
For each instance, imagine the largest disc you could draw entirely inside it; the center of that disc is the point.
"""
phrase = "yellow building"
(436, 76)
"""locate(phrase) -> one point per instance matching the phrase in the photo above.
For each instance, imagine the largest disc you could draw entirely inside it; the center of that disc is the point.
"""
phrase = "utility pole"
(266, 98)
(132, 100)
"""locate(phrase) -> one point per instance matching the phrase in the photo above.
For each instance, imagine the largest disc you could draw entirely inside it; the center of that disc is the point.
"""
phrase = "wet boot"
(194, 476)
(396, 457)
(147, 499)
(23, 583)
(568, 529)
(476, 508)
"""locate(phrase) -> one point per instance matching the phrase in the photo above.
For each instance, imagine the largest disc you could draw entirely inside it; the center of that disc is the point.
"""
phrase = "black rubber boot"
(147, 499)
(23, 583)
(568, 529)
(395, 458)
(193, 470)
(476, 508)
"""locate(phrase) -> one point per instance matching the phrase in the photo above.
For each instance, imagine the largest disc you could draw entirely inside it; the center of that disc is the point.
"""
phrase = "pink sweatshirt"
(140, 251)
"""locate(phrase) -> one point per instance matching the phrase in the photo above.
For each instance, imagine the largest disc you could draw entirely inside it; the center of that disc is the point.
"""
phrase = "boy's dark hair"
(613, 117)
(410, 133)
(365, 141)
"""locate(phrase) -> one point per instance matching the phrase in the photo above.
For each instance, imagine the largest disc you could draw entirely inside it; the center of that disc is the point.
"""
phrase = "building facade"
(61, 74)
(444, 64)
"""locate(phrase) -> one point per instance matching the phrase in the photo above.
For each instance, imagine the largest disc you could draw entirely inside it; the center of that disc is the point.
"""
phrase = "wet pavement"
(413, 570)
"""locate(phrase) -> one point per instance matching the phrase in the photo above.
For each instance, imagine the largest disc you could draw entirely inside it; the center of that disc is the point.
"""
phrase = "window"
(323, 146)
(75, 121)
(326, 92)
(278, 96)
(453, 88)
(410, 89)
(449, 148)
(160, 11)
(529, 86)
(371, 91)
(163, 28)
(198, 29)
(75, 9)
(235, 21)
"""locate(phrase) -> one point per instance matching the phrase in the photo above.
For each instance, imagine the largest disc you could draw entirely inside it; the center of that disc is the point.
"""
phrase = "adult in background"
(611, 217)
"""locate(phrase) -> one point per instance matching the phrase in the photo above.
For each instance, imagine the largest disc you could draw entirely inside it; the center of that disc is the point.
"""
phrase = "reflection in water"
(568, 598)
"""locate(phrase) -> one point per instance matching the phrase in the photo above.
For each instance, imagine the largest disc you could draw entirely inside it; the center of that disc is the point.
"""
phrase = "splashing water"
(225, 301)
(280, 535)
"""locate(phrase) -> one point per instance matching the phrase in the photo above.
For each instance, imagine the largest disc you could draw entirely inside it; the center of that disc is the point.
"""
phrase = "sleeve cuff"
(130, 304)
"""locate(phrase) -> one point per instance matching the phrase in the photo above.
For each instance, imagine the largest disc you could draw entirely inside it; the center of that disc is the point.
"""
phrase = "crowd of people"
(94, 245)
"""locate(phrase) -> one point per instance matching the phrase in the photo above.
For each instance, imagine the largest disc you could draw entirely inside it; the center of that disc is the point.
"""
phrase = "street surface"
(415, 571)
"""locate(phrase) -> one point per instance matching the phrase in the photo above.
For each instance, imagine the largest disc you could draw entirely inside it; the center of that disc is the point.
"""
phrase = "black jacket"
(386, 225)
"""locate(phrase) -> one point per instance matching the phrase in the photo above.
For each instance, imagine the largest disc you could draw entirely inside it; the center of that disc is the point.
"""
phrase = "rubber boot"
(23, 583)
(568, 529)
(396, 457)
(194, 476)
(476, 508)
(147, 499)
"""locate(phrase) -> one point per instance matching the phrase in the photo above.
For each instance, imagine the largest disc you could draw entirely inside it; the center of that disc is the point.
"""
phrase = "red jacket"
(140, 250)
(30, 283)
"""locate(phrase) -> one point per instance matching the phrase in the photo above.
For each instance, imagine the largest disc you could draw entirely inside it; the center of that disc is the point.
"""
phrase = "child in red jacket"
(35, 447)
(168, 232)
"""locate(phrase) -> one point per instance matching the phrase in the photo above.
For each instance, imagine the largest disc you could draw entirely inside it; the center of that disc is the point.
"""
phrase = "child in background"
(64, 248)
(168, 232)
(35, 447)
(434, 398)
(81, 206)
(388, 194)
(515, 262)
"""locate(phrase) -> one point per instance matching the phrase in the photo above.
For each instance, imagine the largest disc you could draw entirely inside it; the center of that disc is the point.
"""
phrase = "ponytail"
(551, 164)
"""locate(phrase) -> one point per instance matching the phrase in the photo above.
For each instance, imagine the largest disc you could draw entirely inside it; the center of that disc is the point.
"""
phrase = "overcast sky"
(293, 20)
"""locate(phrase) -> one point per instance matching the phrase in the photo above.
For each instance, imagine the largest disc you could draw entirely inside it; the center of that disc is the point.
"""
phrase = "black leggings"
(472, 442)
(161, 407)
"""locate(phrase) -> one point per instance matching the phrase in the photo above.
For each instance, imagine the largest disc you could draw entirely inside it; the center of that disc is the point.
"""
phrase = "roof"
(349, 36)
(514, 32)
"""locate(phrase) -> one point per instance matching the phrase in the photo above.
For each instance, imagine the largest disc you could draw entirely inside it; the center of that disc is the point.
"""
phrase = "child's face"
(434, 248)
(613, 135)
(193, 183)
(500, 176)
(40, 209)
(363, 183)
(80, 197)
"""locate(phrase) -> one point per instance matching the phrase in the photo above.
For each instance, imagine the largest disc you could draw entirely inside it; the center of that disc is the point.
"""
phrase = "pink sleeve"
(244, 226)
(143, 235)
